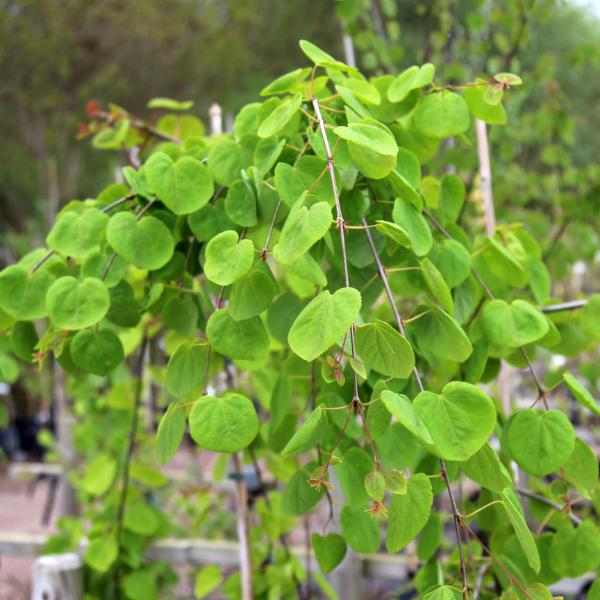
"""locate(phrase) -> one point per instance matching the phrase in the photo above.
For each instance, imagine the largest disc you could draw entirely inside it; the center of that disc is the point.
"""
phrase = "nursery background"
(91, 88)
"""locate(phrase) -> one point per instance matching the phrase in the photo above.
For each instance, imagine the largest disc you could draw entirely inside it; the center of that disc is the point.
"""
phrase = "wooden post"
(485, 175)
(58, 577)
(242, 527)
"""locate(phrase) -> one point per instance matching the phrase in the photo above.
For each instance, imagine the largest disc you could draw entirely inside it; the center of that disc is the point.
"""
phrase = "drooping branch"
(417, 376)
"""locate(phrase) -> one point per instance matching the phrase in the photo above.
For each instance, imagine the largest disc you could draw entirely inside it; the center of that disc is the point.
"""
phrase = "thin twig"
(139, 386)
(549, 503)
(399, 323)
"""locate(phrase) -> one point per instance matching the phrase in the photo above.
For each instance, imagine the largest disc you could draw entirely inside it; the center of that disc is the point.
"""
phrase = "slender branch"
(139, 386)
(444, 471)
(265, 251)
(340, 225)
(542, 393)
(548, 502)
(573, 305)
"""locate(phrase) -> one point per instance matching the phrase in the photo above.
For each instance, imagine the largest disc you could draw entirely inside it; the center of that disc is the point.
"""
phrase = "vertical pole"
(485, 175)
(215, 113)
(57, 577)
(242, 527)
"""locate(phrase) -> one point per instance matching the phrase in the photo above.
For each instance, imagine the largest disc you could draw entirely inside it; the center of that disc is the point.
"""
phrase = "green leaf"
(480, 108)
(23, 294)
(240, 204)
(252, 294)
(416, 227)
(227, 260)
(508, 79)
(280, 117)
(410, 79)
(452, 260)
(289, 82)
(582, 468)
(185, 369)
(443, 592)
(360, 530)
(460, 419)
(371, 136)
(170, 433)
(384, 349)
(355, 465)
(408, 513)
(363, 90)
(431, 537)
(23, 340)
(184, 186)
(243, 340)
(517, 519)
(574, 552)
(76, 304)
(402, 408)
(139, 585)
(438, 333)
(77, 234)
(99, 475)
(207, 580)
(97, 352)
(226, 161)
(501, 263)
(147, 243)
(323, 321)
(298, 497)
(541, 441)
(140, 518)
(309, 434)
(101, 553)
(303, 228)
(266, 154)
(581, 393)
(375, 485)
(321, 58)
(442, 115)
(394, 232)
(170, 104)
(307, 176)
(485, 468)
(329, 550)
(437, 285)
(226, 424)
(512, 325)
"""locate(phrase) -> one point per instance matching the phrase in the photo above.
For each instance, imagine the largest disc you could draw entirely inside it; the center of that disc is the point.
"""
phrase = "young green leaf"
(410, 79)
(360, 530)
(375, 485)
(409, 512)
(323, 321)
(485, 468)
(77, 234)
(384, 349)
(184, 186)
(541, 441)
(329, 550)
(74, 304)
(581, 393)
(226, 424)
(402, 408)
(228, 259)
(185, 369)
(243, 340)
(459, 420)
(23, 294)
(170, 433)
(309, 434)
(97, 352)
(442, 115)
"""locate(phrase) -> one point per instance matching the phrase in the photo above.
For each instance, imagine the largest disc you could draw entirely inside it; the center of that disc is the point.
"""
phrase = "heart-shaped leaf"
(76, 304)
(302, 229)
(415, 226)
(460, 419)
(240, 204)
(370, 135)
(77, 234)
(541, 441)
(384, 349)
(97, 352)
(23, 294)
(306, 176)
(394, 232)
(329, 550)
(280, 117)
(321, 58)
(184, 186)
(409, 512)
(360, 530)
(574, 552)
(485, 468)
(323, 321)
(410, 79)
(442, 115)
(581, 393)
(243, 340)
(185, 372)
(404, 411)
(438, 333)
(227, 260)
(147, 243)
(226, 424)
(512, 325)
